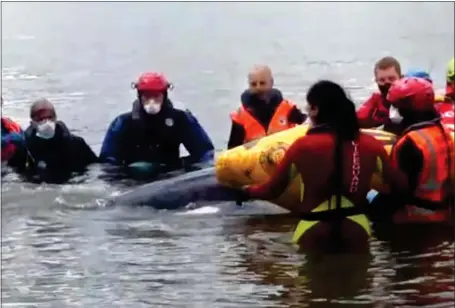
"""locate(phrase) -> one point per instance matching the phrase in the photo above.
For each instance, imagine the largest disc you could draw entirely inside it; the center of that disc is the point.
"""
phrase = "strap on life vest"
(254, 129)
(305, 225)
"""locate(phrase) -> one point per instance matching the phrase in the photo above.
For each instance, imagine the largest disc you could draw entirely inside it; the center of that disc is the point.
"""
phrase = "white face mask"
(45, 129)
(394, 114)
(152, 107)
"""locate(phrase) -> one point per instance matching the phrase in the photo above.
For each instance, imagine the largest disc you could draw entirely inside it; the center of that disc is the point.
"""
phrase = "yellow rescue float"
(255, 161)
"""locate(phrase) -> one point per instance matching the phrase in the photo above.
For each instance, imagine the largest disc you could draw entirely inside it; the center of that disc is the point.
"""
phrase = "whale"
(199, 187)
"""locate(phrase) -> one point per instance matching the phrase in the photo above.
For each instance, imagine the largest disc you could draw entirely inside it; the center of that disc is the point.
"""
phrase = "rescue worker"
(14, 153)
(55, 151)
(445, 107)
(375, 111)
(149, 136)
(335, 162)
(444, 103)
(263, 110)
(424, 152)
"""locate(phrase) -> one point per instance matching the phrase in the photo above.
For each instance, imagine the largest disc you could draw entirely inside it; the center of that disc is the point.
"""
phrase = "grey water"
(62, 247)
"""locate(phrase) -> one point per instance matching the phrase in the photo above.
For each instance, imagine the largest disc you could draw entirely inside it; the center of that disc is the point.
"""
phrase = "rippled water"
(61, 247)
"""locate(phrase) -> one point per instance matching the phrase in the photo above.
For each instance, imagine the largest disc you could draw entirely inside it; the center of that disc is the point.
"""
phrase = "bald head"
(41, 110)
(260, 70)
(260, 79)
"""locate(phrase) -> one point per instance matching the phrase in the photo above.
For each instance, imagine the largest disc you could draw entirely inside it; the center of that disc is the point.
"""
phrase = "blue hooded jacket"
(139, 137)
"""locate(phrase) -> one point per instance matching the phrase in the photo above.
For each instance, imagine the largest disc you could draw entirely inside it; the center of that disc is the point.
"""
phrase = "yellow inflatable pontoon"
(254, 162)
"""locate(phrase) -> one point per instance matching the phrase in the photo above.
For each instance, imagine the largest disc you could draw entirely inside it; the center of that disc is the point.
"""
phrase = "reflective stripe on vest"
(254, 129)
(430, 141)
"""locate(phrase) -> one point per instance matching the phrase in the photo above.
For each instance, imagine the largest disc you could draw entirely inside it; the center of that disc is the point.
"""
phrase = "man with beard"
(375, 111)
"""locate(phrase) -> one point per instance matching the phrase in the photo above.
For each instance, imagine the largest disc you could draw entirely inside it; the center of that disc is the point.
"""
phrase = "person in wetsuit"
(335, 162)
(263, 110)
(424, 152)
(56, 153)
(14, 153)
(149, 136)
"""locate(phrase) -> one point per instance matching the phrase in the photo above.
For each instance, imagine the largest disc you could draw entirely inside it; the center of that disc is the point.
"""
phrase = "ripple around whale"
(137, 257)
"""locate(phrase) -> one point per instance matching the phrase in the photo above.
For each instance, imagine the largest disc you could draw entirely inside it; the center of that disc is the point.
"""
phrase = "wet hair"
(387, 62)
(39, 104)
(337, 110)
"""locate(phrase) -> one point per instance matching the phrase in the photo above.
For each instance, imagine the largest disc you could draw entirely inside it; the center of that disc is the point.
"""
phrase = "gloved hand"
(14, 138)
(242, 196)
(380, 114)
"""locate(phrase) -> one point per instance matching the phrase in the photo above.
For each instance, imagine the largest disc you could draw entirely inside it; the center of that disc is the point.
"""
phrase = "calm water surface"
(61, 247)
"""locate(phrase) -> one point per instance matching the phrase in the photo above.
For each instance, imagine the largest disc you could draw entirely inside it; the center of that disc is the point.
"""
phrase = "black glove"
(242, 196)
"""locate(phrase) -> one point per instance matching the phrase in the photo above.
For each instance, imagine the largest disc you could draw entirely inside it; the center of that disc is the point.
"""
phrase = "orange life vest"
(11, 127)
(254, 129)
(436, 177)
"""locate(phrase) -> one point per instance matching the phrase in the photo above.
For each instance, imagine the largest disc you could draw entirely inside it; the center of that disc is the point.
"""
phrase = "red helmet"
(153, 82)
(412, 93)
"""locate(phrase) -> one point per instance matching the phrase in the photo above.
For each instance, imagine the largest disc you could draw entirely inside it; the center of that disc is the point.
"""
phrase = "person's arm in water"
(278, 182)
(196, 141)
(84, 155)
(236, 136)
(111, 150)
(296, 116)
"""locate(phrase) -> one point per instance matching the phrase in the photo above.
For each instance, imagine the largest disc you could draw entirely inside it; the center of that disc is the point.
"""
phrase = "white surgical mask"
(45, 129)
(394, 114)
(152, 106)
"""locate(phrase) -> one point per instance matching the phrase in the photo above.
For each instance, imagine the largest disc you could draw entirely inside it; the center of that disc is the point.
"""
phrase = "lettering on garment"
(355, 168)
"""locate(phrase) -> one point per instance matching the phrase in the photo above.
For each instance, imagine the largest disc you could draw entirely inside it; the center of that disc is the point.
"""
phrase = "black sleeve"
(410, 161)
(297, 116)
(236, 136)
(82, 153)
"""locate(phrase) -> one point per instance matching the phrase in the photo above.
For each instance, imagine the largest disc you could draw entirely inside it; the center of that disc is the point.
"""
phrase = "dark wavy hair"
(337, 111)
(335, 108)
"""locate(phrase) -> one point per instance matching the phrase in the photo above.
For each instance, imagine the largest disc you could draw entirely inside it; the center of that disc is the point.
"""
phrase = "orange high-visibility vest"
(436, 172)
(254, 130)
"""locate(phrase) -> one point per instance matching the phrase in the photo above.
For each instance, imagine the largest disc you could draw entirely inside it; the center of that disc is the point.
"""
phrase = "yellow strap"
(304, 225)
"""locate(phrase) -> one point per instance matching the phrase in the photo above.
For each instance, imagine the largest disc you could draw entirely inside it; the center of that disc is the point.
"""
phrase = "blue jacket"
(139, 137)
